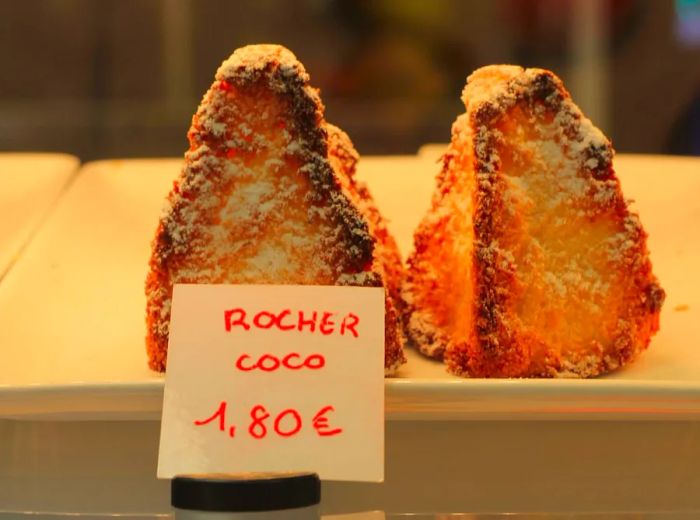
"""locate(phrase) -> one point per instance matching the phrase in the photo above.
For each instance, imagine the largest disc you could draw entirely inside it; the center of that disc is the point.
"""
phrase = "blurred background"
(122, 78)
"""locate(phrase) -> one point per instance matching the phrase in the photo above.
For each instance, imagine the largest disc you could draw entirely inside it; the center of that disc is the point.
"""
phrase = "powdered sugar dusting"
(257, 201)
(254, 59)
(553, 239)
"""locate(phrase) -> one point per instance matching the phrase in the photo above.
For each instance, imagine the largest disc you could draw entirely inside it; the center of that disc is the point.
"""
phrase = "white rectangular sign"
(275, 378)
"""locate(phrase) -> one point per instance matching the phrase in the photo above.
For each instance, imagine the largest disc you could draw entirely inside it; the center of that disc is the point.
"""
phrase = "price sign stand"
(275, 378)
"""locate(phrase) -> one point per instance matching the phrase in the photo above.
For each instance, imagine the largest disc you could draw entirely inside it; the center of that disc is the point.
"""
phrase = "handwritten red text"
(272, 363)
(324, 322)
(286, 423)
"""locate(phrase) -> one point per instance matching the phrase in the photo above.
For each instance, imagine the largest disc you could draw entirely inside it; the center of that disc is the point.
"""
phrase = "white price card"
(275, 378)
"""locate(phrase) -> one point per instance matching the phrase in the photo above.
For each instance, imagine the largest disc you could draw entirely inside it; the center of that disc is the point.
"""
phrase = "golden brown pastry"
(267, 195)
(529, 262)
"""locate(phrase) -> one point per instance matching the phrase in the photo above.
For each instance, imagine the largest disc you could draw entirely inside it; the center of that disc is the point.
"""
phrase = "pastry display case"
(81, 409)
(488, 416)
(39, 178)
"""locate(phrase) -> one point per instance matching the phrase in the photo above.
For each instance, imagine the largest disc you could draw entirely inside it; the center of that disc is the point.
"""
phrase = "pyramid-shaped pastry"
(267, 196)
(529, 262)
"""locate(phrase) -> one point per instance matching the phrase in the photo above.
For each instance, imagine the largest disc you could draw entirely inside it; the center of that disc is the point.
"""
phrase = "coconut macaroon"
(267, 196)
(529, 262)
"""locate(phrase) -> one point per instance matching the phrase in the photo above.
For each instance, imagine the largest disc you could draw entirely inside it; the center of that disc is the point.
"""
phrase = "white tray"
(30, 183)
(72, 309)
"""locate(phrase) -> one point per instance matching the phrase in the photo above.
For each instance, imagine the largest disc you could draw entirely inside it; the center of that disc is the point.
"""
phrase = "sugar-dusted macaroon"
(267, 195)
(529, 262)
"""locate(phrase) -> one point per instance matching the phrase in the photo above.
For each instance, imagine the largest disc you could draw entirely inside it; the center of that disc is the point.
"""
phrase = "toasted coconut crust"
(386, 251)
(387, 259)
(553, 274)
(264, 197)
